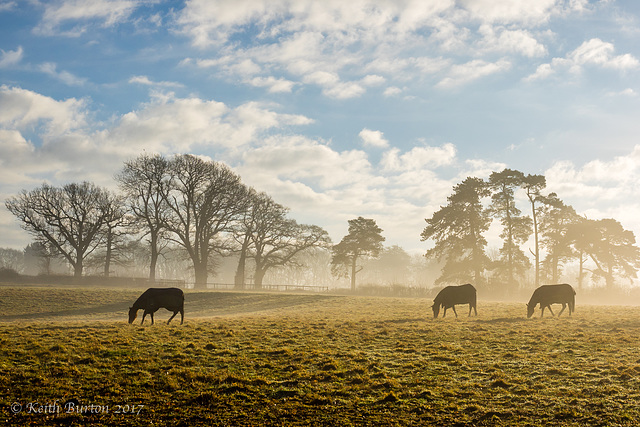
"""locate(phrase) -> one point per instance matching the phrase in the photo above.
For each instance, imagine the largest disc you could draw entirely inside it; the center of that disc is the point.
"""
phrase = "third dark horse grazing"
(452, 295)
(154, 299)
(552, 294)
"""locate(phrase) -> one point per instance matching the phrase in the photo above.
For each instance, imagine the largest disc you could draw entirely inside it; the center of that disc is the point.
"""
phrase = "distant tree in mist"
(145, 183)
(392, 267)
(12, 259)
(70, 218)
(114, 230)
(533, 184)
(609, 246)
(516, 228)
(259, 207)
(273, 240)
(555, 219)
(204, 200)
(363, 240)
(457, 230)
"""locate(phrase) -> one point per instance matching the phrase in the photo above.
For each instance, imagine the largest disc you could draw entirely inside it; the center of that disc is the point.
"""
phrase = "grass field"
(68, 357)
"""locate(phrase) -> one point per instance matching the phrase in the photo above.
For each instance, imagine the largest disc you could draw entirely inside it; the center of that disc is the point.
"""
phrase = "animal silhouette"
(552, 294)
(154, 299)
(452, 295)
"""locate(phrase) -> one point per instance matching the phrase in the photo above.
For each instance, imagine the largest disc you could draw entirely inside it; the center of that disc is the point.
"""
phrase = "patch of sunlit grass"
(343, 361)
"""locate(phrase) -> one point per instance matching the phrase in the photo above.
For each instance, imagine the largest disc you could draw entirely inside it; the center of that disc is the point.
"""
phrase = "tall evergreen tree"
(516, 228)
(364, 240)
(533, 184)
(457, 230)
(554, 220)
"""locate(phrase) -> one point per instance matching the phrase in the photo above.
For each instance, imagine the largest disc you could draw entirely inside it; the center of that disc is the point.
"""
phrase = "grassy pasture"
(300, 359)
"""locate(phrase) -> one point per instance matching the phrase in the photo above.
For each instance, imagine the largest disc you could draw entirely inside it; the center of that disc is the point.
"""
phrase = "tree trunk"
(154, 257)
(77, 268)
(239, 278)
(353, 274)
(258, 277)
(537, 246)
(581, 271)
(201, 275)
(107, 259)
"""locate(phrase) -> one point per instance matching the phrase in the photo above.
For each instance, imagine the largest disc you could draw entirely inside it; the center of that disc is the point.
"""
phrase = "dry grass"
(273, 359)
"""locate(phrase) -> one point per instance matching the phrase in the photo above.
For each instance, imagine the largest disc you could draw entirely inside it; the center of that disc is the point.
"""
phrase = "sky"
(335, 108)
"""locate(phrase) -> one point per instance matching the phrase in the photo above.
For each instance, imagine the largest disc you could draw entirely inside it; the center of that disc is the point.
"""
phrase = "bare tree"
(271, 239)
(204, 200)
(114, 230)
(244, 229)
(70, 218)
(145, 182)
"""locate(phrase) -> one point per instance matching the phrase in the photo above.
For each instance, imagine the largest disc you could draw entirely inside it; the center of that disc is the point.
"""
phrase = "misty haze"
(311, 213)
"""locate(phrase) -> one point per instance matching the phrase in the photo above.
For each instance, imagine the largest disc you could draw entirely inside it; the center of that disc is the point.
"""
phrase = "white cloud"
(373, 138)
(336, 45)
(392, 91)
(542, 72)
(170, 124)
(332, 86)
(8, 5)
(373, 80)
(597, 52)
(272, 84)
(107, 12)
(418, 158)
(524, 12)
(500, 39)
(10, 58)
(144, 80)
(23, 109)
(594, 53)
(472, 70)
(64, 76)
(300, 159)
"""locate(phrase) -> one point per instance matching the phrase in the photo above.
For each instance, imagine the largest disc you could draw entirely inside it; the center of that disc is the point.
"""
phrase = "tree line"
(561, 236)
(201, 206)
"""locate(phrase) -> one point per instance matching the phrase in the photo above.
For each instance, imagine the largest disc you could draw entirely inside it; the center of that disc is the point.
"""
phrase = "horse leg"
(563, 307)
(151, 314)
(181, 316)
(174, 315)
(454, 310)
(143, 316)
(445, 312)
(550, 311)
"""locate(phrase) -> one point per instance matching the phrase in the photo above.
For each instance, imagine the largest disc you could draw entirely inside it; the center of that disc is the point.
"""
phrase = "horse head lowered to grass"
(552, 294)
(452, 295)
(154, 299)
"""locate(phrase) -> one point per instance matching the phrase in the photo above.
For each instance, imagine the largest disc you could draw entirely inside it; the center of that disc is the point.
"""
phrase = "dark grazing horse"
(552, 294)
(154, 299)
(452, 295)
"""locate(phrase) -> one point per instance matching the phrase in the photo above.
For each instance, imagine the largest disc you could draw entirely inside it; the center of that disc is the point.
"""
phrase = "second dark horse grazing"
(154, 299)
(452, 295)
(552, 294)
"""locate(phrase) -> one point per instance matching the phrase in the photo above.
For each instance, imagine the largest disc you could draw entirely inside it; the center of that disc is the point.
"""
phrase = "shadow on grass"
(197, 304)
(503, 320)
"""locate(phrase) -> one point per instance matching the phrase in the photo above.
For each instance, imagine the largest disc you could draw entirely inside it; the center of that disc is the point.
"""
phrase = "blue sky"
(337, 109)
